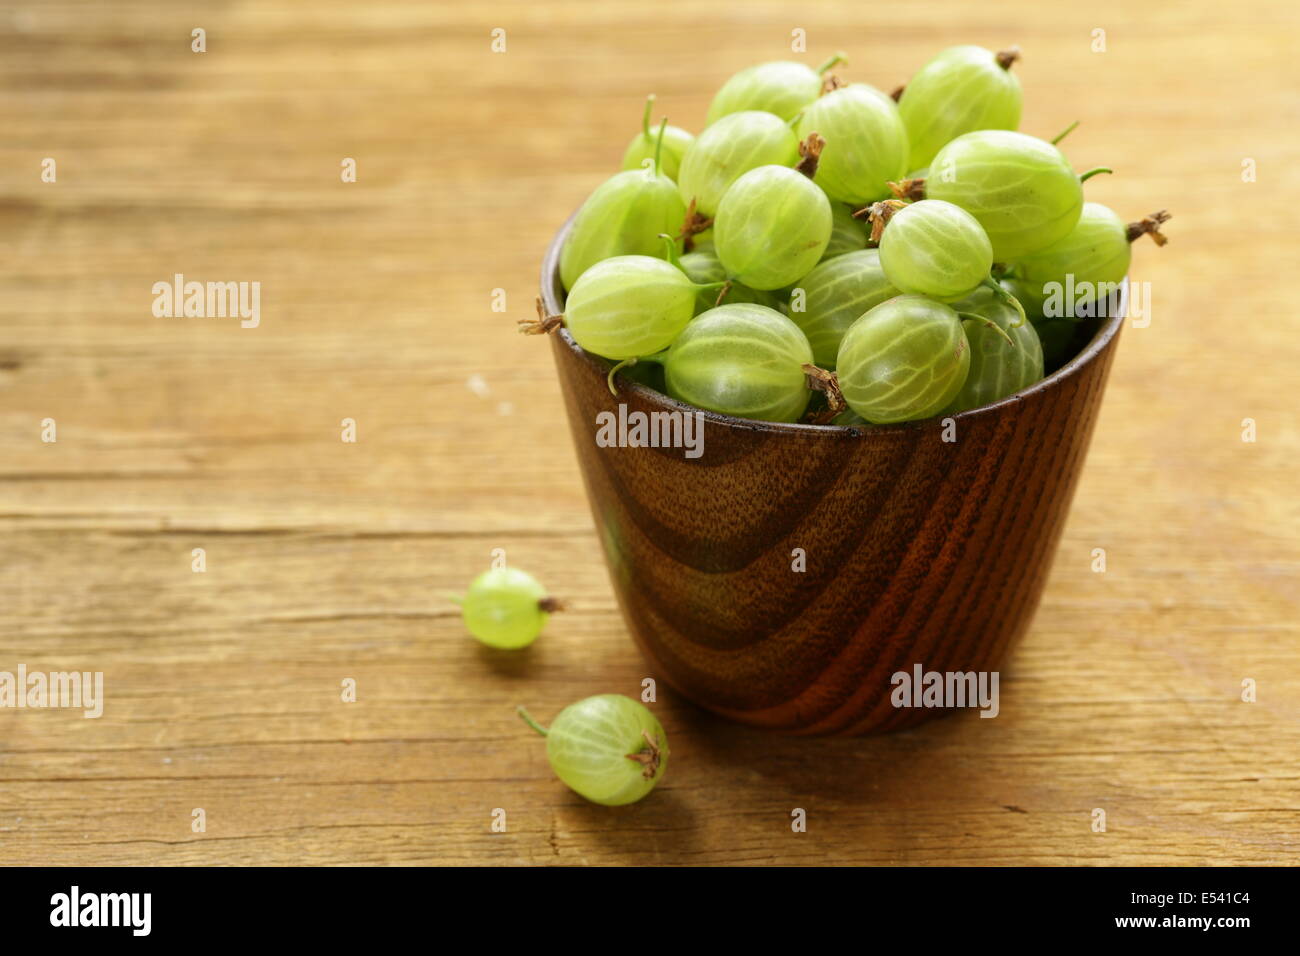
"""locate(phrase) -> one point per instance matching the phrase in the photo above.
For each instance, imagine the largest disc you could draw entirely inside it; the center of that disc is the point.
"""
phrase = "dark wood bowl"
(918, 551)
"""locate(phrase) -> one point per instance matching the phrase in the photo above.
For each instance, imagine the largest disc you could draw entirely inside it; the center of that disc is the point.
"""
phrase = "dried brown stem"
(879, 213)
(722, 293)
(551, 604)
(542, 324)
(1008, 56)
(820, 380)
(909, 189)
(1150, 226)
(810, 152)
(897, 93)
(647, 756)
(830, 84)
(691, 226)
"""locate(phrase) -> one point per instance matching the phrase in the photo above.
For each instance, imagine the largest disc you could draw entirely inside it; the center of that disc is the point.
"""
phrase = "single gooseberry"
(609, 748)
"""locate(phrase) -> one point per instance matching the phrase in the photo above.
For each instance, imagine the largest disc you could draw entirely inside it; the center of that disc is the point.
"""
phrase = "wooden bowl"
(917, 550)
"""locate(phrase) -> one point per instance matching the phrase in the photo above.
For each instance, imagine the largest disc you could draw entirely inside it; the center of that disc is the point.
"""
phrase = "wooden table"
(329, 560)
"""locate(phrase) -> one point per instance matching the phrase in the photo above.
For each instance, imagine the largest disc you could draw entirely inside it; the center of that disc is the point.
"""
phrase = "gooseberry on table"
(506, 608)
(608, 748)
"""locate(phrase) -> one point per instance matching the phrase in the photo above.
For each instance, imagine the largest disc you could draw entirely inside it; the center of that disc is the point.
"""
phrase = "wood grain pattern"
(329, 560)
(781, 575)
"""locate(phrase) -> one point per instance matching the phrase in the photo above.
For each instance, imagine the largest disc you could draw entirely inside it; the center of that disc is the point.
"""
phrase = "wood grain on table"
(329, 561)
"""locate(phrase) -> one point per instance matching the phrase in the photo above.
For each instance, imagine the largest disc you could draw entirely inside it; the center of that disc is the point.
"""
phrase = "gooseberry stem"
(810, 151)
(1008, 298)
(820, 380)
(645, 117)
(542, 324)
(1150, 226)
(527, 718)
(991, 324)
(673, 258)
(659, 143)
(910, 190)
(836, 60)
(609, 379)
(1065, 132)
(1008, 56)
(1093, 172)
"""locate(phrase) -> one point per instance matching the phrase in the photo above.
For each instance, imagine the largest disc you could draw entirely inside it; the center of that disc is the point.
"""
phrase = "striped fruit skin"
(622, 217)
(847, 234)
(742, 360)
(727, 150)
(1020, 188)
(676, 142)
(772, 227)
(961, 90)
(782, 87)
(997, 369)
(936, 249)
(866, 143)
(629, 306)
(703, 268)
(588, 742)
(1096, 251)
(835, 294)
(904, 360)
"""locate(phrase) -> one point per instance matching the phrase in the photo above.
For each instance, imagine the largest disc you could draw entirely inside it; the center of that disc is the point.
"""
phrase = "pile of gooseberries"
(822, 244)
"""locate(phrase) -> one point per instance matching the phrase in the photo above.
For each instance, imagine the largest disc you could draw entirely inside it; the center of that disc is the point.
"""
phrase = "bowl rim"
(552, 291)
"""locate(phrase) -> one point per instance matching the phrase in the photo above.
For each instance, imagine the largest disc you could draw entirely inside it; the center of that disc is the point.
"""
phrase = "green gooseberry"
(743, 360)
(964, 88)
(609, 748)
(936, 249)
(629, 306)
(727, 150)
(506, 608)
(1020, 188)
(643, 145)
(1005, 354)
(624, 216)
(906, 359)
(783, 87)
(866, 143)
(833, 295)
(1087, 265)
(772, 227)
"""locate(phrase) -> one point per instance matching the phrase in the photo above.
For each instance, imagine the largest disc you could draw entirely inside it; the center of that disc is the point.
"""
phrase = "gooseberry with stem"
(783, 87)
(623, 216)
(506, 608)
(608, 748)
(642, 148)
(964, 88)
